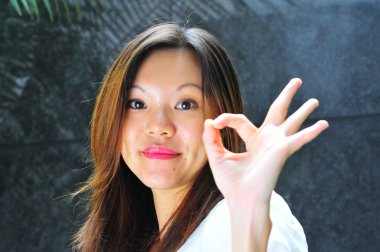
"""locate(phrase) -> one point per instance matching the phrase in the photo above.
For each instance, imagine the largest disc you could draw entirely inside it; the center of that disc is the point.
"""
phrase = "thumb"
(212, 141)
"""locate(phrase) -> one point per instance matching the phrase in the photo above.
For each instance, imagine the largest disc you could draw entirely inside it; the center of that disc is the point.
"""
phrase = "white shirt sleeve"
(287, 233)
(214, 232)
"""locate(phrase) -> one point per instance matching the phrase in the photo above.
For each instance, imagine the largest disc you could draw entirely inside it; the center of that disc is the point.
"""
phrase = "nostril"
(161, 134)
(160, 130)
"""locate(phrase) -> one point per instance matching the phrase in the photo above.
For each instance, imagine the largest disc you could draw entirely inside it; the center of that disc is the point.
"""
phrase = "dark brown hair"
(121, 211)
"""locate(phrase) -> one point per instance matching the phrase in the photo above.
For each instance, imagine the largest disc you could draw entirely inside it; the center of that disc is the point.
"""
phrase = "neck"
(166, 203)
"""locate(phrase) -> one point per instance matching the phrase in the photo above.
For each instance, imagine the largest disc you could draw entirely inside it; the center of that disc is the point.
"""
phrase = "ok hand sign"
(252, 175)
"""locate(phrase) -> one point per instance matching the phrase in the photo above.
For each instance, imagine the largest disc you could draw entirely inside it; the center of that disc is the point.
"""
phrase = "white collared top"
(214, 232)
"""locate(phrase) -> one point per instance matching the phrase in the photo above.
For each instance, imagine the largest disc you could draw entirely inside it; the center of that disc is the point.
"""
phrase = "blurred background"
(53, 55)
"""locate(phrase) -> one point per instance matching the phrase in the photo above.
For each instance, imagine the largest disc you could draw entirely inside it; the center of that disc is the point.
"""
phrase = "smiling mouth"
(159, 152)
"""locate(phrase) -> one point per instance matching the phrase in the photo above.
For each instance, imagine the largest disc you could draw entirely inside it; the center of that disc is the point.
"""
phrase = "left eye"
(186, 104)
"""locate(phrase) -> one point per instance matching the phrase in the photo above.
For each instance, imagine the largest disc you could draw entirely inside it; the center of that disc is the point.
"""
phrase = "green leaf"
(16, 6)
(26, 6)
(49, 9)
(95, 6)
(67, 10)
(58, 10)
(35, 8)
(77, 9)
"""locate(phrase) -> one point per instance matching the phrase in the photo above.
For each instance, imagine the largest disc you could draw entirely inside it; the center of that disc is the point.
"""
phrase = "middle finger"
(279, 108)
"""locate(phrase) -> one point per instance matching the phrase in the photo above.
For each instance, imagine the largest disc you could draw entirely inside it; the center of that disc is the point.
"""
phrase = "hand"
(251, 176)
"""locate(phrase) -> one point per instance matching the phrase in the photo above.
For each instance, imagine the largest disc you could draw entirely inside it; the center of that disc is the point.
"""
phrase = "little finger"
(296, 141)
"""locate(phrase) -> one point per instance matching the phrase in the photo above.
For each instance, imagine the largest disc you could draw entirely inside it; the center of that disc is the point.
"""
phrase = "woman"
(167, 179)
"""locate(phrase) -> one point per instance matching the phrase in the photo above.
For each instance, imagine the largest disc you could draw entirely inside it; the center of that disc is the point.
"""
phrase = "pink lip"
(159, 152)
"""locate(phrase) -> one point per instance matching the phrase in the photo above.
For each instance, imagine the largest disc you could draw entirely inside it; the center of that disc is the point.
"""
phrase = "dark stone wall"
(50, 73)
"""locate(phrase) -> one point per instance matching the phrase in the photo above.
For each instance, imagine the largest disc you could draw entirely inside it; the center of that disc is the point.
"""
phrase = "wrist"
(250, 225)
(248, 201)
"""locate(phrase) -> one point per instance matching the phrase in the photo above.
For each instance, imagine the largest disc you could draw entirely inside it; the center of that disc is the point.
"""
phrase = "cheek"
(130, 135)
(192, 134)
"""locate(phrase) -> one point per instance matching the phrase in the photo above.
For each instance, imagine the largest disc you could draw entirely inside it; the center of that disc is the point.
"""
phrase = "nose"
(160, 125)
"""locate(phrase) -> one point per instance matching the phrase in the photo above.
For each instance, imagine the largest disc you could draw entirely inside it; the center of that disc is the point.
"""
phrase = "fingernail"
(296, 80)
(315, 101)
(326, 124)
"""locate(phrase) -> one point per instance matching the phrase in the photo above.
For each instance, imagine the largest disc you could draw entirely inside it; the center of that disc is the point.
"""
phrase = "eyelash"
(193, 105)
(129, 104)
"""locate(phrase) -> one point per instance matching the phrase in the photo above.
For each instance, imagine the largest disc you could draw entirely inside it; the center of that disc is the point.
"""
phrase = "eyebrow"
(178, 89)
(189, 85)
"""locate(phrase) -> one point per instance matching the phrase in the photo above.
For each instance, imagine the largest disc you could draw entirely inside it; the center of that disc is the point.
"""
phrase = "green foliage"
(15, 5)
(69, 9)
(49, 9)
(54, 8)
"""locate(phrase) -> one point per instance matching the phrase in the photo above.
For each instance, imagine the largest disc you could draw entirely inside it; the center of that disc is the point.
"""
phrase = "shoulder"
(214, 233)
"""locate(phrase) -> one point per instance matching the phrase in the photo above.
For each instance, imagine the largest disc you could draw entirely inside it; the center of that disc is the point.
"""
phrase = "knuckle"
(241, 116)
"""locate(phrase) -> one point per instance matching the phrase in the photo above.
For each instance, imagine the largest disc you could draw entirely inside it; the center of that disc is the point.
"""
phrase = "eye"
(135, 104)
(186, 105)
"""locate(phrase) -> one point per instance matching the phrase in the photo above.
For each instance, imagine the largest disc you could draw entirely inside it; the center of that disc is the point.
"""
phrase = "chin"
(162, 182)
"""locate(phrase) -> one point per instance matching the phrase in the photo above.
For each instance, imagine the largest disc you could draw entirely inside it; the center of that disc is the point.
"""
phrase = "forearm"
(250, 226)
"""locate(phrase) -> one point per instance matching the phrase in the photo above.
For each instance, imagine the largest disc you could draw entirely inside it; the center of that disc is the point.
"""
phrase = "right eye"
(135, 104)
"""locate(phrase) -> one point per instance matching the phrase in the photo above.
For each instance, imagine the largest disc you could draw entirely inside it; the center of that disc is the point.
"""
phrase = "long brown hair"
(121, 213)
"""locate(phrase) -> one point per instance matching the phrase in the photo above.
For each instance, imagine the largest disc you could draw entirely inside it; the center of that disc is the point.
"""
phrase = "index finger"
(238, 122)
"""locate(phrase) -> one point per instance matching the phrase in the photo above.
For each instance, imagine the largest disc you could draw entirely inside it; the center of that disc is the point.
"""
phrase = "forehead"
(180, 52)
(172, 66)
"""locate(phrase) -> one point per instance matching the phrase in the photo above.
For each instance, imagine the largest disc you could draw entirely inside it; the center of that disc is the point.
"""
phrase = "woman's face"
(162, 133)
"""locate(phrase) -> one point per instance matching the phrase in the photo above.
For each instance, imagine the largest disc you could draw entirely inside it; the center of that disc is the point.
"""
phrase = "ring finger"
(295, 121)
